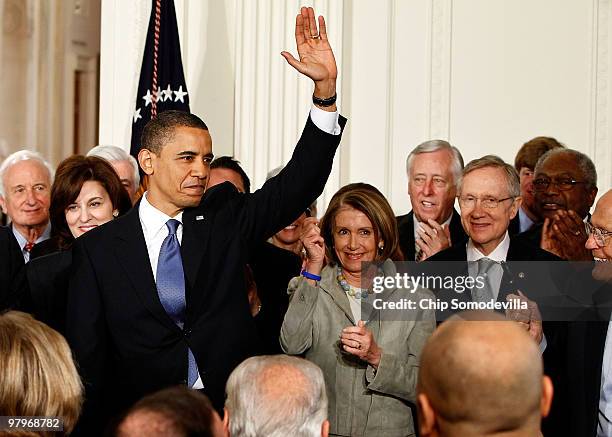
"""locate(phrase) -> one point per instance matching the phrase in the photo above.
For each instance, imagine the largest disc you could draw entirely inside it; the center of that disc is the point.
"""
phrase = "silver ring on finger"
(316, 36)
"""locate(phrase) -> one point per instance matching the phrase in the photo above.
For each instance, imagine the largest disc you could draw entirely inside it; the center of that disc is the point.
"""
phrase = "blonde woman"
(38, 376)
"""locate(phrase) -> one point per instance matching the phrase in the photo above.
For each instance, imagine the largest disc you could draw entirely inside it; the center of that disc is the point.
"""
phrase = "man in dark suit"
(584, 386)
(565, 187)
(272, 267)
(433, 168)
(157, 297)
(489, 196)
(524, 163)
(12, 273)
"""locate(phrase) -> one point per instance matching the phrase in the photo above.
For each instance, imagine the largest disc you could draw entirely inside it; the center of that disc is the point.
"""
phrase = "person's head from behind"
(276, 396)
(38, 376)
(86, 193)
(489, 197)
(433, 168)
(124, 164)
(172, 412)
(359, 226)
(289, 237)
(25, 184)
(525, 162)
(176, 154)
(565, 179)
(481, 374)
(228, 169)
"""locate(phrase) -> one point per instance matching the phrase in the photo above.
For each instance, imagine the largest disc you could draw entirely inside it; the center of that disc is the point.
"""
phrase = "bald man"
(481, 375)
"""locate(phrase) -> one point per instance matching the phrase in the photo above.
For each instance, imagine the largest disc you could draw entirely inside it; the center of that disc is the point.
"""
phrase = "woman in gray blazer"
(369, 355)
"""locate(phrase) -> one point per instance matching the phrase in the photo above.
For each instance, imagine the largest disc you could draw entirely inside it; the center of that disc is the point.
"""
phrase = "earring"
(381, 246)
(115, 213)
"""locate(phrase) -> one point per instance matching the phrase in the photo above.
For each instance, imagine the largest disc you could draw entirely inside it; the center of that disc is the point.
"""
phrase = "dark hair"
(229, 163)
(160, 130)
(367, 199)
(70, 176)
(189, 412)
(532, 150)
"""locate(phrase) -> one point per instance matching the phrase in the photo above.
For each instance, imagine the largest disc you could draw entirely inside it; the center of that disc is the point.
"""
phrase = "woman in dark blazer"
(86, 193)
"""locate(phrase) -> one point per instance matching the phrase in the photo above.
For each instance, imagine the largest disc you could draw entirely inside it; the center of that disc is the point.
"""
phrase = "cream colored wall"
(485, 74)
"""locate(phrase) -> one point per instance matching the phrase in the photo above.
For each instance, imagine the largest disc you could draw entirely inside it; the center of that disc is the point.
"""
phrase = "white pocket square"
(199, 217)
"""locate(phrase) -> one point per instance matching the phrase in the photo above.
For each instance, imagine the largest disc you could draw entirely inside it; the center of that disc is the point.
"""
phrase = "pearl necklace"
(357, 293)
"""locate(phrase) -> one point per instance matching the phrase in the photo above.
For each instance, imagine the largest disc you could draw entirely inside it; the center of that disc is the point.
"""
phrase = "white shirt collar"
(416, 223)
(152, 219)
(499, 254)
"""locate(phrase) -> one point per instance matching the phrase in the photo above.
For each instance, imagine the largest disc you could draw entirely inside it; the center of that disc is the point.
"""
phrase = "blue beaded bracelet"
(310, 276)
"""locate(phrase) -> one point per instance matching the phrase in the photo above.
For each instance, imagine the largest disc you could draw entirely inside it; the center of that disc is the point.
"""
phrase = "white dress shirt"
(604, 427)
(416, 224)
(155, 231)
(499, 254)
(153, 221)
(22, 241)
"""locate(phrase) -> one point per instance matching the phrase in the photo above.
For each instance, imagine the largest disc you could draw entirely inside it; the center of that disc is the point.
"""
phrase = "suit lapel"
(338, 295)
(131, 251)
(196, 234)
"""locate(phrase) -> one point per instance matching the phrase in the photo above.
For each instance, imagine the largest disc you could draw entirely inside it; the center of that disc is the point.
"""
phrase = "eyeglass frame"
(558, 182)
(497, 201)
(601, 236)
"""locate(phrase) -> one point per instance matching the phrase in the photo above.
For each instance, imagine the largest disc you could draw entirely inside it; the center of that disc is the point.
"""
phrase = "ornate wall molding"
(601, 149)
(272, 100)
(440, 68)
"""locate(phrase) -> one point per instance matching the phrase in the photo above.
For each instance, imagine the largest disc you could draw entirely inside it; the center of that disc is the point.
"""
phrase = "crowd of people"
(196, 306)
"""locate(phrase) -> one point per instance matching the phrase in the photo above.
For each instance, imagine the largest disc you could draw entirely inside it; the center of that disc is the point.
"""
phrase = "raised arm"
(316, 56)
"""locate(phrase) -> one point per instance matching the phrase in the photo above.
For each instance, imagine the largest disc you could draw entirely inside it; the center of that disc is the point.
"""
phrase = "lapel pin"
(521, 275)
(199, 217)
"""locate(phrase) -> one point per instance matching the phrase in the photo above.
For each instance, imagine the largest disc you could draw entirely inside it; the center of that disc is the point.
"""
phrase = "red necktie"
(28, 246)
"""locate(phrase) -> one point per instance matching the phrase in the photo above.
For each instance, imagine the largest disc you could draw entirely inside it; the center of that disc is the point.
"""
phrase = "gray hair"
(493, 161)
(434, 146)
(23, 155)
(276, 396)
(583, 162)
(114, 153)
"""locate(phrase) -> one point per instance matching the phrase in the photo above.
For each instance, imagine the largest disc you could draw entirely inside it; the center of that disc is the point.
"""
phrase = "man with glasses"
(565, 186)
(434, 168)
(584, 397)
(489, 197)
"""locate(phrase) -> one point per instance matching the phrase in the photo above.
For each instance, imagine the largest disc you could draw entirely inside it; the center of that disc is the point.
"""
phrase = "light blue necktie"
(171, 287)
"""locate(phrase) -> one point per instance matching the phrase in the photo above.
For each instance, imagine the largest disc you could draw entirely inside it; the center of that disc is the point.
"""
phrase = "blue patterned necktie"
(171, 287)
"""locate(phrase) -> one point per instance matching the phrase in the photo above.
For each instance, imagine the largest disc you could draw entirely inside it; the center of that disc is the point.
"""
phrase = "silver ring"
(315, 36)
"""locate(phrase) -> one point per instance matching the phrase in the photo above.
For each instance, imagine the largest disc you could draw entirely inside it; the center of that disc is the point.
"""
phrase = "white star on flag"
(137, 115)
(166, 94)
(148, 97)
(180, 94)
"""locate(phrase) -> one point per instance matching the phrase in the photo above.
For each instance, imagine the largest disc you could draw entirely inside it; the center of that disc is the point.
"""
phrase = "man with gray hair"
(276, 396)
(434, 168)
(25, 195)
(124, 164)
(489, 197)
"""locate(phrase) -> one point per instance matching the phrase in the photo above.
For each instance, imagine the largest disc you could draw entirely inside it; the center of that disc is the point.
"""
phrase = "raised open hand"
(316, 56)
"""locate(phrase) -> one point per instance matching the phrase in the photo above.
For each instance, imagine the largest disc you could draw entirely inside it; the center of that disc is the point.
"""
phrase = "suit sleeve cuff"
(326, 121)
